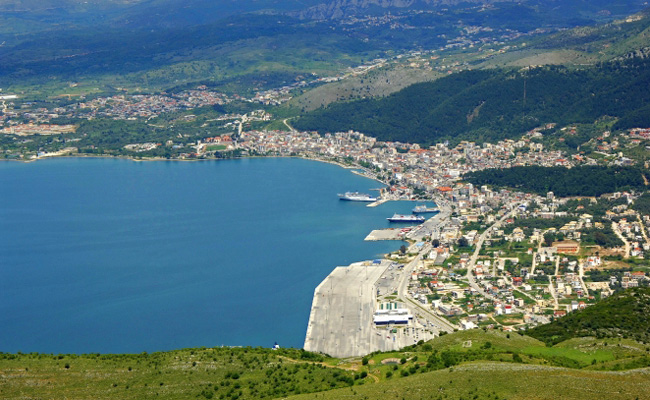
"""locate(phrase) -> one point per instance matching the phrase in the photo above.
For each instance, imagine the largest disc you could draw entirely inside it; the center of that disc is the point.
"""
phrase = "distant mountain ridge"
(338, 9)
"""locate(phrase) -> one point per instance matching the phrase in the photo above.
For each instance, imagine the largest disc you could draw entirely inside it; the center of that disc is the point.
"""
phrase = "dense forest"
(563, 182)
(490, 105)
(617, 316)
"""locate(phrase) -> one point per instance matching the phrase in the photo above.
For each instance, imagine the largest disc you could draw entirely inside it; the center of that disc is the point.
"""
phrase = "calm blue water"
(108, 255)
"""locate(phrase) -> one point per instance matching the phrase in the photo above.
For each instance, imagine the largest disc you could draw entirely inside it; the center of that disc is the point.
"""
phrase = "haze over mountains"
(337, 9)
(160, 44)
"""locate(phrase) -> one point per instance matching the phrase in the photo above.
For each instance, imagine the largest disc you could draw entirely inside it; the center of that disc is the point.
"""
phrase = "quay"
(386, 234)
(378, 202)
(341, 321)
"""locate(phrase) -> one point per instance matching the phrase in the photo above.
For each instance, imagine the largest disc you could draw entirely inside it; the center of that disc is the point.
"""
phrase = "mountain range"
(72, 40)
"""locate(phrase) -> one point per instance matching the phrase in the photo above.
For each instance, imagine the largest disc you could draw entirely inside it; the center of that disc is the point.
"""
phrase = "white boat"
(356, 196)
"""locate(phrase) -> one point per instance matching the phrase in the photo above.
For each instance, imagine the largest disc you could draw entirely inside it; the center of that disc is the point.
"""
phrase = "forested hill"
(622, 315)
(579, 181)
(489, 105)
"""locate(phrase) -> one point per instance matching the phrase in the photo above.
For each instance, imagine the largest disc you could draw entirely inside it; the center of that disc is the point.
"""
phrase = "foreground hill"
(480, 364)
(624, 315)
(491, 380)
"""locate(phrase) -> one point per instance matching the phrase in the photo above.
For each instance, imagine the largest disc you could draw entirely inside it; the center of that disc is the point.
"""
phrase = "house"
(467, 325)
(546, 254)
(567, 247)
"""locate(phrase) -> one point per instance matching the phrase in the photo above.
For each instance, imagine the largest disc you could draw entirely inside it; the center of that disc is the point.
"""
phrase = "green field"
(205, 373)
(215, 147)
(492, 380)
(473, 364)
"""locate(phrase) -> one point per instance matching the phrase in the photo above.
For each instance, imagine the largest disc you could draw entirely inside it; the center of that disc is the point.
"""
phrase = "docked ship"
(356, 196)
(423, 209)
(406, 218)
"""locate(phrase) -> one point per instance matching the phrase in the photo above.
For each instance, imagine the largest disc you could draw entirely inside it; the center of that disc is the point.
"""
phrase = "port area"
(342, 322)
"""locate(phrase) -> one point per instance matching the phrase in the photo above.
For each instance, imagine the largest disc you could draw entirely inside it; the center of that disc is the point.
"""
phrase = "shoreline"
(151, 159)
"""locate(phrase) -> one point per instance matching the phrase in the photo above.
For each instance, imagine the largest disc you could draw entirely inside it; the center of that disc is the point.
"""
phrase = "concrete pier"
(340, 323)
(377, 203)
(385, 234)
(341, 320)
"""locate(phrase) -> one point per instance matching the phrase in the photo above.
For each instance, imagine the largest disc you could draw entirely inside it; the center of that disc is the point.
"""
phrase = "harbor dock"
(386, 234)
(341, 321)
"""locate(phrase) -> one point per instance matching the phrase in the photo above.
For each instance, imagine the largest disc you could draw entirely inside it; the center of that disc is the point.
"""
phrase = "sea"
(103, 255)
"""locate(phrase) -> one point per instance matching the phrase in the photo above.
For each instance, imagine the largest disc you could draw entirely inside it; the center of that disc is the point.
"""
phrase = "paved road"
(620, 236)
(643, 230)
(286, 123)
(402, 293)
(472, 261)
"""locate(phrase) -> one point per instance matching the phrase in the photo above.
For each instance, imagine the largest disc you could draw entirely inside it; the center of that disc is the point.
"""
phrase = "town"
(491, 258)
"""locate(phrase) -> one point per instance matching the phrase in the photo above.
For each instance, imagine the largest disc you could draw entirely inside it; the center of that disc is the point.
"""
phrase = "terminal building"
(392, 314)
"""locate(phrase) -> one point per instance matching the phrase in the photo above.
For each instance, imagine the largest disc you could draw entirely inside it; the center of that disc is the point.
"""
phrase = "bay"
(112, 256)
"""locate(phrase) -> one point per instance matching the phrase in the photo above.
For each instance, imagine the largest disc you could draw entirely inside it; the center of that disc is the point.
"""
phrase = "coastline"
(152, 159)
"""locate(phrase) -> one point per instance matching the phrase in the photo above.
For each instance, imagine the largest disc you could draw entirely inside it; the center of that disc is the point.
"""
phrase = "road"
(643, 230)
(432, 228)
(402, 293)
(472, 262)
(285, 121)
(620, 236)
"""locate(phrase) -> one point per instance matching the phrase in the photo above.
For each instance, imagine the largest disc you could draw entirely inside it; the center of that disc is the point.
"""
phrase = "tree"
(548, 239)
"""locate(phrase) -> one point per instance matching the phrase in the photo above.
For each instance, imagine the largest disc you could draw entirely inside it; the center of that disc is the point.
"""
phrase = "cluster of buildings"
(30, 129)
(428, 169)
(145, 106)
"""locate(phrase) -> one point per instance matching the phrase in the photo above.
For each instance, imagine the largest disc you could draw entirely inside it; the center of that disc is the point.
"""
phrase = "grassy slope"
(374, 84)
(262, 373)
(491, 380)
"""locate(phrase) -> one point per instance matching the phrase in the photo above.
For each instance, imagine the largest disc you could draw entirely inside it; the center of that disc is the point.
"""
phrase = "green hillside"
(622, 315)
(490, 380)
(468, 364)
(247, 373)
(563, 182)
(489, 105)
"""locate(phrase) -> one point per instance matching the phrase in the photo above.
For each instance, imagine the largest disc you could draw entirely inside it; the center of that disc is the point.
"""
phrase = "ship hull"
(406, 218)
(349, 196)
